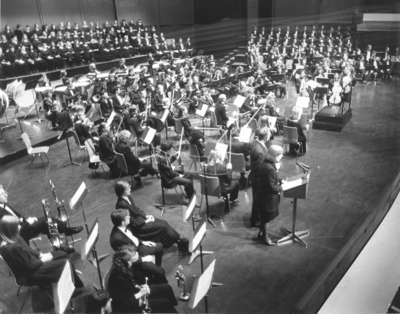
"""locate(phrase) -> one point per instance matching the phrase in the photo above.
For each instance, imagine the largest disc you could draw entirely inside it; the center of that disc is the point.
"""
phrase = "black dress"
(268, 188)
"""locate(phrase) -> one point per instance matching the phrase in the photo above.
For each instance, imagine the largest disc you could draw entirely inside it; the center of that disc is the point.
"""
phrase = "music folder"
(149, 134)
(187, 213)
(245, 134)
(202, 112)
(63, 289)
(239, 101)
(199, 234)
(78, 196)
(91, 240)
(296, 187)
(202, 285)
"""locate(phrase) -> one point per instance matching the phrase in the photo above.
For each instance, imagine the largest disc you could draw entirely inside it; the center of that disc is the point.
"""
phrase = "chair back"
(27, 142)
(238, 162)
(121, 164)
(290, 134)
(210, 186)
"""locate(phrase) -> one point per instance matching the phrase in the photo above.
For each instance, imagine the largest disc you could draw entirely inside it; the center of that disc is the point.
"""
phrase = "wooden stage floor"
(351, 172)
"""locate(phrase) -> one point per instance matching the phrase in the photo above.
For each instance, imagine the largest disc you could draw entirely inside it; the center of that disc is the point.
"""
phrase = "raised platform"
(331, 118)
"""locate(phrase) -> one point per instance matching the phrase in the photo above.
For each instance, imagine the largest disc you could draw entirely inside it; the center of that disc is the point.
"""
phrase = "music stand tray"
(295, 189)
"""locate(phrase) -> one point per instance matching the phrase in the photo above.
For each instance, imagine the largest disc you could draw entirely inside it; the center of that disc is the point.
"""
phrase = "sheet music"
(290, 184)
(202, 112)
(149, 135)
(221, 150)
(164, 116)
(202, 285)
(110, 119)
(302, 102)
(239, 101)
(245, 134)
(78, 196)
(63, 290)
(90, 241)
(198, 237)
(189, 210)
(230, 122)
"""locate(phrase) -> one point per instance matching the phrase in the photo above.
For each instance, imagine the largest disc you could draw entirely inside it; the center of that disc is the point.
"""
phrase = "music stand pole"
(209, 220)
(71, 162)
(94, 251)
(295, 236)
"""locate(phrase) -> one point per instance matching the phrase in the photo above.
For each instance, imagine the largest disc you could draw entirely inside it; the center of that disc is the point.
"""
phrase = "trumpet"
(144, 300)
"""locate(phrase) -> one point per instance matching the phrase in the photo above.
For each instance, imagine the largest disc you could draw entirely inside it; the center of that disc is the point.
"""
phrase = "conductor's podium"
(295, 188)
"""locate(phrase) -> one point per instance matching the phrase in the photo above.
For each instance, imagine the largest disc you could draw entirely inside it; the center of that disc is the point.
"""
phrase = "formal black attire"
(29, 269)
(220, 114)
(134, 164)
(30, 231)
(257, 154)
(119, 239)
(268, 188)
(122, 288)
(157, 231)
(171, 178)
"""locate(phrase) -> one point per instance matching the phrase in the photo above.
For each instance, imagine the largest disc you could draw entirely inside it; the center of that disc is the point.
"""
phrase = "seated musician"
(128, 288)
(82, 126)
(31, 226)
(106, 105)
(121, 235)
(135, 166)
(220, 110)
(27, 264)
(169, 176)
(194, 136)
(105, 149)
(216, 167)
(146, 227)
(294, 121)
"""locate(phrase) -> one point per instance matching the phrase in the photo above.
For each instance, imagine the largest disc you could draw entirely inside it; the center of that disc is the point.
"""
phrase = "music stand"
(195, 246)
(63, 289)
(295, 188)
(202, 114)
(188, 212)
(66, 134)
(77, 199)
(201, 287)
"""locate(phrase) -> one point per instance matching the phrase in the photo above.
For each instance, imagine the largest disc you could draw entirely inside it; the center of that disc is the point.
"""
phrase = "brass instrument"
(144, 300)
(57, 240)
(62, 212)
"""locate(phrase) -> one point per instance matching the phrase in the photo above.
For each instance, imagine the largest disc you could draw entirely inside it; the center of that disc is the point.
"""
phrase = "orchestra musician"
(31, 226)
(121, 235)
(147, 227)
(128, 288)
(294, 121)
(170, 177)
(136, 167)
(229, 187)
(28, 264)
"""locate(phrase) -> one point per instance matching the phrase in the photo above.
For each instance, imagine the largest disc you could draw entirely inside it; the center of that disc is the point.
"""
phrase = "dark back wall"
(209, 11)
(158, 12)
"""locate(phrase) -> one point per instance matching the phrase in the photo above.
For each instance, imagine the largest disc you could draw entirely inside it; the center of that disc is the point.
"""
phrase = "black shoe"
(73, 230)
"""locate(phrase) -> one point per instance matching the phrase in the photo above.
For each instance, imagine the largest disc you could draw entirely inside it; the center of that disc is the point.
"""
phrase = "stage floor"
(351, 171)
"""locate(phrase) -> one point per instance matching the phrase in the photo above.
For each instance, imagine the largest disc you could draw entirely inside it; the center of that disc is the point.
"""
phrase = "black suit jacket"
(220, 114)
(118, 239)
(257, 154)
(138, 217)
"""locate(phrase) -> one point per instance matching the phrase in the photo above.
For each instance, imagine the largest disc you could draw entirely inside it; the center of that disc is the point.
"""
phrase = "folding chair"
(34, 151)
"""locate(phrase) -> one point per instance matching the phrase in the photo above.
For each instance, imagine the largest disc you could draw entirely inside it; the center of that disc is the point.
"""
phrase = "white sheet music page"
(149, 135)
(77, 196)
(239, 101)
(245, 134)
(202, 112)
(290, 184)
